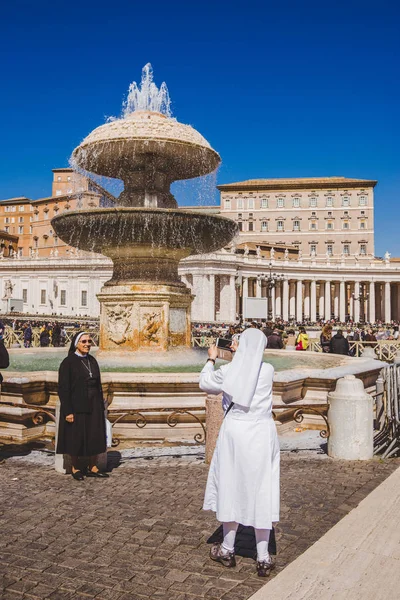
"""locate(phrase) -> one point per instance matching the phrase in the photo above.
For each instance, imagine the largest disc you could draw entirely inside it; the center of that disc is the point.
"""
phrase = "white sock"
(262, 539)
(230, 529)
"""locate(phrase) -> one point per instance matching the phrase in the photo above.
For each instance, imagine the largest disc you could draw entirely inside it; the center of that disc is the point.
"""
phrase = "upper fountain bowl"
(144, 141)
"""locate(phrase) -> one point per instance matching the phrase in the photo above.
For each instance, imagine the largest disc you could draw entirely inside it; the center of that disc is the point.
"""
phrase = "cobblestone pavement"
(142, 533)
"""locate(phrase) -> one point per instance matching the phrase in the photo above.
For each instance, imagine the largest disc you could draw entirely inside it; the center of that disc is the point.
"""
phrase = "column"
(258, 287)
(245, 287)
(388, 316)
(232, 299)
(198, 304)
(371, 302)
(357, 301)
(285, 309)
(336, 301)
(306, 299)
(292, 300)
(313, 288)
(321, 308)
(272, 308)
(210, 299)
(351, 303)
(328, 307)
(278, 299)
(299, 301)
(342, 301)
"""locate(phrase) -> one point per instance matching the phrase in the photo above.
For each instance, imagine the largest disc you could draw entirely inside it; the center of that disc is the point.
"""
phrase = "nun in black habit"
(82, 429)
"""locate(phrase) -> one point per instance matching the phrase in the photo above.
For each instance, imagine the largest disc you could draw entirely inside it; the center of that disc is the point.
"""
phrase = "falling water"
(147, 96)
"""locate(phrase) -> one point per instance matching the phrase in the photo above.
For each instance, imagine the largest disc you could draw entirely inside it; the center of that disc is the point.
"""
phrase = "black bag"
(4, 357)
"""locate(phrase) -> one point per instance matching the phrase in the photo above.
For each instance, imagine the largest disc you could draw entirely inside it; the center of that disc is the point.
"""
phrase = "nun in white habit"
(243, 481)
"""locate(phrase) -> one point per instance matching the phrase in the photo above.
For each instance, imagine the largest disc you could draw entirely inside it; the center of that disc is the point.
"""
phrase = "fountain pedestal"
(144, 316)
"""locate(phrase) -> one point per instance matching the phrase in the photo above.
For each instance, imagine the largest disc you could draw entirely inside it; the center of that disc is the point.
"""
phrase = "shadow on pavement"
(245, 543)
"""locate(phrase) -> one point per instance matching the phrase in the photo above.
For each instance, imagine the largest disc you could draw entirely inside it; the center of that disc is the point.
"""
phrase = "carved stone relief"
(118, 322)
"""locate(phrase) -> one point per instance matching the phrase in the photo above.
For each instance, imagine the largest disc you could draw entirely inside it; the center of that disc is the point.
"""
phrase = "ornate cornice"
(297, 184)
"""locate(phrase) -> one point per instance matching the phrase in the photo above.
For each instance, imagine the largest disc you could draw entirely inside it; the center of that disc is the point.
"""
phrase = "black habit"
(80, 393)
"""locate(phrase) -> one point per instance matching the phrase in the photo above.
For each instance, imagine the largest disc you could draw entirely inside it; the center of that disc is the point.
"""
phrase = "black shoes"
(225, 558)
(99, 474)
(78, 475)
(264, 567)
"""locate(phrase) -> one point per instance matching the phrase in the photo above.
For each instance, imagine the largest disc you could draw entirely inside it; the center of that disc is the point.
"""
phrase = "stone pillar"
(306, 299)
(371, 302)
(388, 312)
(328, 307)
(278, 300)
(342, 301)
(336, 301)
(357, 301)
(321, 300)
(198, 302)
(299, 301)
(285, 310)
(273, 312)
(292, 299)
(313, 288)
(232, 298)
(351, 304)
(258, 287)
(210, 300)
(350, 418)
(245, 287)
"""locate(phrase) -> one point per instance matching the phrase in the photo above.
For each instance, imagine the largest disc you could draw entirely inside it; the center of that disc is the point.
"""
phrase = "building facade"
(329, 216)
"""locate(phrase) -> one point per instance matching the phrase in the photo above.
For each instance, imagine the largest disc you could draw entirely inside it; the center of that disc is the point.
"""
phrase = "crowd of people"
(51, 333)
(333, 337)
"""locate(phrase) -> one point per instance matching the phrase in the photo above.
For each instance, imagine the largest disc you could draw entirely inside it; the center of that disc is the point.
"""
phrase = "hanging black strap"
(228, 409)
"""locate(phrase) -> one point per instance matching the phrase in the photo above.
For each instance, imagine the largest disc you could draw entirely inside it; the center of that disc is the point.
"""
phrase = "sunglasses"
(86, 341)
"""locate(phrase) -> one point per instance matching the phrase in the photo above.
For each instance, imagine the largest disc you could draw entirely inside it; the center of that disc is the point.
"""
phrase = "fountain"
(145, 306)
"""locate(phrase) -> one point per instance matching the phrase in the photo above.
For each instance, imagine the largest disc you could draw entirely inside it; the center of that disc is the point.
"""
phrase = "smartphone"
(224, 344)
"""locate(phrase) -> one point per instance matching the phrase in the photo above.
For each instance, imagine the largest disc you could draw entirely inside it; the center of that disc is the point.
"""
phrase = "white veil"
(242, 377)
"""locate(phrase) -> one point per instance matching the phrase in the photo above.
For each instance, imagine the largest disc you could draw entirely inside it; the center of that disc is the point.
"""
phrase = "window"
(30, 229)
(264, 226)
(329, 225)
(58, 192)
(362, 212)
(345, 201)
(20, 252)
(363, 249)
(63, 297)
(251, 203)
(240, 225)
(83, 298)
(329, 201)
(13, 209)
(329, 249)
(7, 209)
(280, 202)
(313, 225)
(264, 202)
(20, 230)
(42, 296)
(296, 225)
(251, 228)
(313, 214)
(58, 178)
(21, 208)
(240, 203)
(329, 214)
(363, 201)
(346, 225)
(346, 249)
(6, 219)
(296, 202)
(68, 178)
(227, 203)
(313, 202)
(46, 214)
(280, 225)
(25, 295)
(20, 219)
(313, 249)
(55, 240)
(6, 229)
(12, 219)
(362, 225)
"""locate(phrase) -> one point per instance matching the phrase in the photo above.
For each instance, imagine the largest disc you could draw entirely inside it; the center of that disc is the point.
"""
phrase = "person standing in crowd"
(243, 481)
(339, 344)
(82, 427)
(302, 341)
(325, 337)
(28, 335)
(275, 341)
(55, 338)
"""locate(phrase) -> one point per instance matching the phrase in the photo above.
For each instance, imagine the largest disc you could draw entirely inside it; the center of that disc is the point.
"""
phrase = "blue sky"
(289, 89)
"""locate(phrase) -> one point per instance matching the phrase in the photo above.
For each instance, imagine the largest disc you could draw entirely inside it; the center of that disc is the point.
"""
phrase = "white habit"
(243, 481)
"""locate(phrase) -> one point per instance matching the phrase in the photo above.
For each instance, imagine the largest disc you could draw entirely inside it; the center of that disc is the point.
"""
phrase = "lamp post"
(361, 298)
(271, 279)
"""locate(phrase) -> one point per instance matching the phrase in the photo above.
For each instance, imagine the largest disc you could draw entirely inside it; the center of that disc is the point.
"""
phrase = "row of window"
(63, 297)
(13, 208)
(313, 225)
(345, 249)
(250, 203)
(59, 178)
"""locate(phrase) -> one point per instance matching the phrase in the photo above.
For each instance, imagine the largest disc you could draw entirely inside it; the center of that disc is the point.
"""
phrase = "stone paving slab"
(142, 533)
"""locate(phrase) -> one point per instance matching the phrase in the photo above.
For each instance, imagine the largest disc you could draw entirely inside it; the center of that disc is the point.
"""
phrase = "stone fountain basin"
(99, 230)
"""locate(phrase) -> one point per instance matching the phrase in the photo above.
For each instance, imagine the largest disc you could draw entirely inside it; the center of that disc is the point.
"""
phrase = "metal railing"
(385, 350)
(387, 418)
(14, 339)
